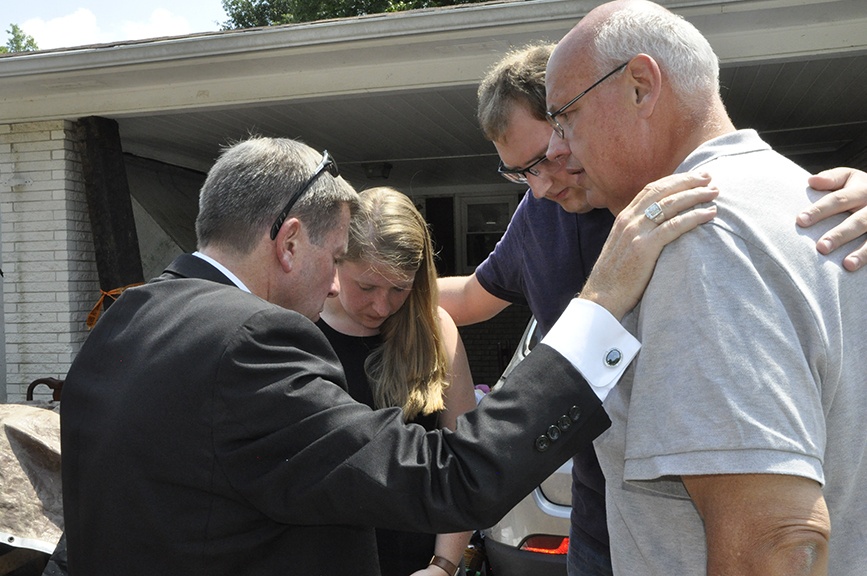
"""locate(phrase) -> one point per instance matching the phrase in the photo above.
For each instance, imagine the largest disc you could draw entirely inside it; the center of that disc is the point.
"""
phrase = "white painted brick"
(35, 176)
(38, 146)
(30, 255)
(87, 292)
(23, 158)
(25, 226)
(67, 338)
(38, 288)
(43, 328)
(66, 155)
(42, 236)
(38, 319)
(39, 126)
(34, 194)
(40, 246)
(34, 297)
(43, 207)
(47, 248)
(79, 218)
(39, 166)
(46, 339)
(46, 348)
(40, 183)
(41, 368)
(37, 234)
(15, 137)
(80, 266)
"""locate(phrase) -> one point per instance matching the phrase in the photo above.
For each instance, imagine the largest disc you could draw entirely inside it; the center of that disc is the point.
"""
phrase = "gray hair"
(251, 182)
(680, 50)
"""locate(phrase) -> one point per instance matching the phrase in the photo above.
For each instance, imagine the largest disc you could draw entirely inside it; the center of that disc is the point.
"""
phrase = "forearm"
(451, 546)
(466, 301)
(459, 396)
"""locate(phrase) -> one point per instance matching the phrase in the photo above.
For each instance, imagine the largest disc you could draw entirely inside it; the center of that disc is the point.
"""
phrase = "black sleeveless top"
(400, 553)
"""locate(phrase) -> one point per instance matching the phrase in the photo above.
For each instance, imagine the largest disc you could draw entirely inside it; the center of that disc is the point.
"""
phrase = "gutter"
(498, 17)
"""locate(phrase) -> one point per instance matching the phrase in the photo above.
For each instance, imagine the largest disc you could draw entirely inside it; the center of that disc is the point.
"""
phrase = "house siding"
(48, 259)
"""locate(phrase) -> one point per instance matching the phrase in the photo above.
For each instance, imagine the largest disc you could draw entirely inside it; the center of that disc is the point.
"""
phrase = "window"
(483, 221)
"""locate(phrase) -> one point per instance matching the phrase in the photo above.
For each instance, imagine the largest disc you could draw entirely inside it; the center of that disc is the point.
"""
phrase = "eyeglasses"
(326, 165)
(519, 175)
(552, 116)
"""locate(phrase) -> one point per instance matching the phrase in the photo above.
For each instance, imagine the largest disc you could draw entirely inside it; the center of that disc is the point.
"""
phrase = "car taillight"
(546, 544)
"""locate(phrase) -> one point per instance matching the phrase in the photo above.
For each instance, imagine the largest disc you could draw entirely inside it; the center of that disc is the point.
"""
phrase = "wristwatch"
(446, 565)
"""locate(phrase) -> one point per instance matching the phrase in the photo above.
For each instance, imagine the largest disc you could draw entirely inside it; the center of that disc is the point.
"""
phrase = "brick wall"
(50, 281)
(490, 344)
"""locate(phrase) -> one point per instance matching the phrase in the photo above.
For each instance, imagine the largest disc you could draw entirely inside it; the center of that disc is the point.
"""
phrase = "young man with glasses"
(553, 240)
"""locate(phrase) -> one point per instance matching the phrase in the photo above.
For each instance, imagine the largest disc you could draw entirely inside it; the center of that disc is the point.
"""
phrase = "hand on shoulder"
(658, 215)
(847, 189)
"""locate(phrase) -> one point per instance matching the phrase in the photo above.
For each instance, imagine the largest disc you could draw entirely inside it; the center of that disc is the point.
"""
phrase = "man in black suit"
(206, 427)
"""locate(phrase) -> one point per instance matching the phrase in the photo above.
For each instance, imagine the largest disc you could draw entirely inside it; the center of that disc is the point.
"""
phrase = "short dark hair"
(517, 79)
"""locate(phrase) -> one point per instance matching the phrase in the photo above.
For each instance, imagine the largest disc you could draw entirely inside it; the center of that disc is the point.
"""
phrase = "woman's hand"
(848, 193)
(629, 256)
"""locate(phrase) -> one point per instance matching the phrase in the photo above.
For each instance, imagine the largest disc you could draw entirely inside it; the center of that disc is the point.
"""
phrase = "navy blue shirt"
(544, 257)
(542, 261)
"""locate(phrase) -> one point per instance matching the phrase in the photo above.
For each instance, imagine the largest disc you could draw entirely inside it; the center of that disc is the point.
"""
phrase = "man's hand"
(629, 256)
(848, 189)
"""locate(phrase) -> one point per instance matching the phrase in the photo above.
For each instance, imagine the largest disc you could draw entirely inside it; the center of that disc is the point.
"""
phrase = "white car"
(533, 537)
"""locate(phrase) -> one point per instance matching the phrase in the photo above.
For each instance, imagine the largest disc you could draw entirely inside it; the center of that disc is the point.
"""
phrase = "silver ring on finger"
(654, 213)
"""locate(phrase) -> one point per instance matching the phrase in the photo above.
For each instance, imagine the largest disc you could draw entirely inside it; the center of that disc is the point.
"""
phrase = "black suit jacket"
(207, 431)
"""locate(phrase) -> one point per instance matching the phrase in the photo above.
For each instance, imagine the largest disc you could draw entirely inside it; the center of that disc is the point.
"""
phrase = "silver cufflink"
(613, 357)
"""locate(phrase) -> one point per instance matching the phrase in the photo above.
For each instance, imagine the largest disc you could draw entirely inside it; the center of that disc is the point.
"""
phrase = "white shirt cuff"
(594, 342)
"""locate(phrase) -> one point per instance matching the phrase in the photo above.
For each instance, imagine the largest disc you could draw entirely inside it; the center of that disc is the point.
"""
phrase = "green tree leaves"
(18, 41)
(254, 13)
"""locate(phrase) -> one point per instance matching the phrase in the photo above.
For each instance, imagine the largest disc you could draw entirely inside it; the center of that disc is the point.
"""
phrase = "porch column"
(47, 255)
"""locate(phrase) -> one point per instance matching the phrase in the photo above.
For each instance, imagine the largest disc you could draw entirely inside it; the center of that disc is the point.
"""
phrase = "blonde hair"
(410, 369)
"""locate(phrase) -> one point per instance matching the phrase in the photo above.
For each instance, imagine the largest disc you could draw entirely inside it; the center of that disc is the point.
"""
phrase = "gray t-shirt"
(753, 360)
